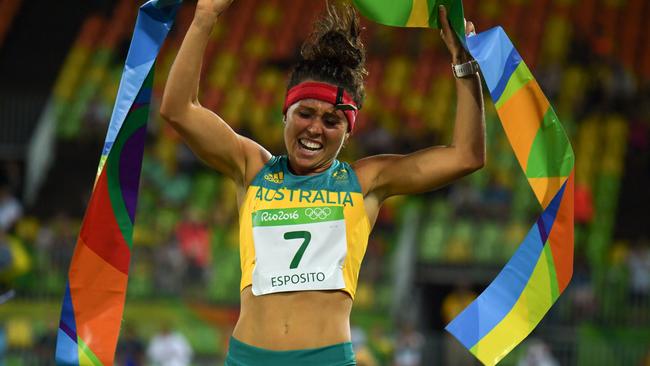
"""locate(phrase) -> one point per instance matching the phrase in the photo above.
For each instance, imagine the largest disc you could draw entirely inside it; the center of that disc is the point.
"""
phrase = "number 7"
(306, 235)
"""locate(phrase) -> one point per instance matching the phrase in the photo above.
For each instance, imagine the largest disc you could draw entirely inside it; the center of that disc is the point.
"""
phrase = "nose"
(315, 127)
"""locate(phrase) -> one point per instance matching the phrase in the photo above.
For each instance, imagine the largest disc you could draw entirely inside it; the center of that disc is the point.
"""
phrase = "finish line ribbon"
(93, 303)
(541, 268)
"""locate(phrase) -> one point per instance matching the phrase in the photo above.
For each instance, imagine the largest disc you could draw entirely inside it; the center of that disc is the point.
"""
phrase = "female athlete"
(305, 217)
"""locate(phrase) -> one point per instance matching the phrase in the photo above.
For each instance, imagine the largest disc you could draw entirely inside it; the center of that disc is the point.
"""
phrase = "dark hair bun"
(334, 52)
(336, 37)
(334, 46)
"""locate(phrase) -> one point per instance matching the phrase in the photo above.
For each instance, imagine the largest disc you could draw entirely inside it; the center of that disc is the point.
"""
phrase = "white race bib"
(298, 249)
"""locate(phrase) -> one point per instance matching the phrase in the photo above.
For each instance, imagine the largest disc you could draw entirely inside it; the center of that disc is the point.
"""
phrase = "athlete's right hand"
(211, 9)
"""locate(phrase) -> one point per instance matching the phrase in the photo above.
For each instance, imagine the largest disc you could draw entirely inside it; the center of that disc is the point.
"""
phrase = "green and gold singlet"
(302, 233)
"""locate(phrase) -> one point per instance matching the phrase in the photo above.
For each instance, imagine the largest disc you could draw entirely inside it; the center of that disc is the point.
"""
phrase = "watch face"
(460, 70)
(465, 69)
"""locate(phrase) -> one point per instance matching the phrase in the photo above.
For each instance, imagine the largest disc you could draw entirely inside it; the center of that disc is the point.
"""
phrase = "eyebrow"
(333, 114)
(304, 107)
(326, 113)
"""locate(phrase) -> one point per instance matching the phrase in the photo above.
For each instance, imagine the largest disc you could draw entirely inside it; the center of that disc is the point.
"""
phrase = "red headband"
(327, 93)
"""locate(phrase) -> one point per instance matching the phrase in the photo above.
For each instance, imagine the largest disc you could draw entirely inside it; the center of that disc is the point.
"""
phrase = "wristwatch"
(466, 69)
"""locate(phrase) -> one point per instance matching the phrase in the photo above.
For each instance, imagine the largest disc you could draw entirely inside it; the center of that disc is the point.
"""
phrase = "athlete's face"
(314, 134)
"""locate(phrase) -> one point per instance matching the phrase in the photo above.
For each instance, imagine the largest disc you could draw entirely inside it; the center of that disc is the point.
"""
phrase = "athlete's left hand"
(458, 53)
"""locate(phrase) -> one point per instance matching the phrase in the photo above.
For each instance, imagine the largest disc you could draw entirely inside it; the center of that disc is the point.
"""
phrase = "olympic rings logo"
(320, 213)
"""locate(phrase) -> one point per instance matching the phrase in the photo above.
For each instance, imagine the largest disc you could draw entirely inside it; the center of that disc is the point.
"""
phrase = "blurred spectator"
(193, 236)
(362, 353)
(452, 305)
(496, 199)
(583, 204)
(14, 262)
(537, 354)
(169, 267)
(3, 345)
(10, 208)
(46, 344)
(408, 345)
(465, 199)
(381, 343)
(169, 348)
(581, 290)
(5, 254)
(638, 262)
(130, 349)
(57, 238)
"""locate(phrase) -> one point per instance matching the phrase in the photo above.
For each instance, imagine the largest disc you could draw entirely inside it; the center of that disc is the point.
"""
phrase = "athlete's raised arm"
(211, 139)
(387, 175)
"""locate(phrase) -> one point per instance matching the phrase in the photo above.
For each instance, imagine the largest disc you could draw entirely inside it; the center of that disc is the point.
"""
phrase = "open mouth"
(310, 145)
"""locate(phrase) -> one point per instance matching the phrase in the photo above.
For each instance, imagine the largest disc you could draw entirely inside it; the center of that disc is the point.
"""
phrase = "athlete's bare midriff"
(294, 320)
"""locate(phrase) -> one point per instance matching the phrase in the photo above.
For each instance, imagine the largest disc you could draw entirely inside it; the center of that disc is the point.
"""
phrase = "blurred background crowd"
(429, 255)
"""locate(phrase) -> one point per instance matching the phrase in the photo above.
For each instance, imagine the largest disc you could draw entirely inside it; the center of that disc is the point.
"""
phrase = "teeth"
(310, 144)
